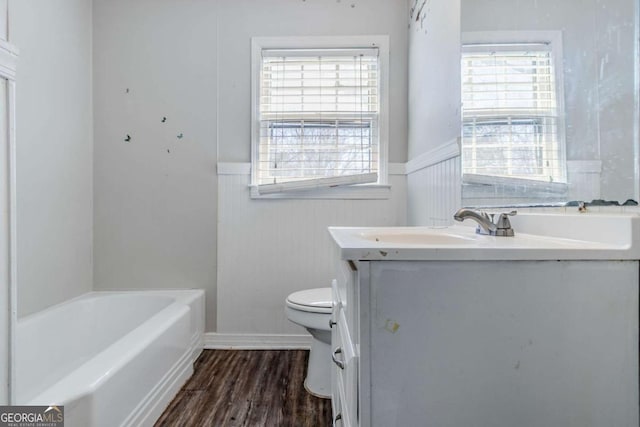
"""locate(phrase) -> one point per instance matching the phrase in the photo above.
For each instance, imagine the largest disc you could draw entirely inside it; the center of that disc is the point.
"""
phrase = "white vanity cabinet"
(485, 343)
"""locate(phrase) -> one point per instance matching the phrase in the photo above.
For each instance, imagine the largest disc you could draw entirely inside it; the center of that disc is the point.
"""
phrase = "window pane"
(510, 114)
(305, 150)
(318, 117)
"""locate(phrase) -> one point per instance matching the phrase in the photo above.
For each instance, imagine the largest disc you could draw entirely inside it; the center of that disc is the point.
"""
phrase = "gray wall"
(434, 112)
(54, 150)
(434, 76)
(155, 196)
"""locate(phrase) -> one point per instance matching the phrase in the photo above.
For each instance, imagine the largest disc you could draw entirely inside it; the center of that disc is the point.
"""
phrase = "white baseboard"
(220, 341)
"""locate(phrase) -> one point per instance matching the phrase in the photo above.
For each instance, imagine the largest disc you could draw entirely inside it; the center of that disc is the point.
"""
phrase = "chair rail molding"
(439, 154)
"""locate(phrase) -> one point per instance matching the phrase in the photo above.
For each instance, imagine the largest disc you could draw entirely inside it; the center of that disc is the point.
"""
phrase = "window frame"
(554, 40)
(377, 190)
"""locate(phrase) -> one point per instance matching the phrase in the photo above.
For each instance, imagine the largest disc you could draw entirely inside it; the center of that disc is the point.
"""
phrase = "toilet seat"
(311, 300)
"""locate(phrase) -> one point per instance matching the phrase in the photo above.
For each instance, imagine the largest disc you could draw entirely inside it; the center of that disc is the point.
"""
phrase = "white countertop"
(557, 237)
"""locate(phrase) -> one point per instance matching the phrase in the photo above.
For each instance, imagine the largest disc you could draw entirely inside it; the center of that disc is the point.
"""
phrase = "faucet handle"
(503, 221)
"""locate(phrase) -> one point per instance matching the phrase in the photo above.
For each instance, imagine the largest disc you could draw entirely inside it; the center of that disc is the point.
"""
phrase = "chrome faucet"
(485, 222)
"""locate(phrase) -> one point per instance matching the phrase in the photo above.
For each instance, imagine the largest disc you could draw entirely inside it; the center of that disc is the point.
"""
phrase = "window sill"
(489, 180)
(350, 192)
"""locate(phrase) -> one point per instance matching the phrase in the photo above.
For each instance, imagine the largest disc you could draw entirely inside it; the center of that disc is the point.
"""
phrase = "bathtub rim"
(94, 294)
(185, 302)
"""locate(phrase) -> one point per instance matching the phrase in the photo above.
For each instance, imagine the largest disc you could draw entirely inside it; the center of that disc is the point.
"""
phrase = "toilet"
(311, 309)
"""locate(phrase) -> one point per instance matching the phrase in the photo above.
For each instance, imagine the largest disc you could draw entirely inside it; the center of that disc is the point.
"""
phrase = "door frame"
(8, 68)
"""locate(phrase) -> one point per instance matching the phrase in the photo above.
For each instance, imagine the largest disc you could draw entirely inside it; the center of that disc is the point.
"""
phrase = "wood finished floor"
(249, 388)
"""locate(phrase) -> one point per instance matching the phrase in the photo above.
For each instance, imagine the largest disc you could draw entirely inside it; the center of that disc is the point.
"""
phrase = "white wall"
(270, 248)
(54, 150)
(155, 196)
(434, 112)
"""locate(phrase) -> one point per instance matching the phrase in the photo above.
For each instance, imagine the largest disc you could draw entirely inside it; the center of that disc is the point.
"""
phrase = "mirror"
(550, 101)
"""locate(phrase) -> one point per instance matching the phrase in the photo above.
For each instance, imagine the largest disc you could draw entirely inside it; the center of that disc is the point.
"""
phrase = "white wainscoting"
(434, 186)
(269, 248)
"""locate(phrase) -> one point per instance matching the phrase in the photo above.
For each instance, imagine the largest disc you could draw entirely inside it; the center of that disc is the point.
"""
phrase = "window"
(317, 114)
(512, 119)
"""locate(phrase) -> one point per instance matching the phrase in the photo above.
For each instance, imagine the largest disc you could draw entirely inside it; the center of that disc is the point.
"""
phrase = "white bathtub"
(111, 358)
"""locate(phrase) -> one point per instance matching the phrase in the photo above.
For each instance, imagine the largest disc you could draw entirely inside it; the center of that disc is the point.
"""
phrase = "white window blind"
(318, 118)
(511, 114)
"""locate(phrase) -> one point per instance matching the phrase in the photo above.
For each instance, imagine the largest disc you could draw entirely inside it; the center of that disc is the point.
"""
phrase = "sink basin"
(538, 237)
(422, 237)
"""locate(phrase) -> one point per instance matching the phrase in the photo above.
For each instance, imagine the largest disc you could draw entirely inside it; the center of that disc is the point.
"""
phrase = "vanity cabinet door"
(346, 284)
(501, 344)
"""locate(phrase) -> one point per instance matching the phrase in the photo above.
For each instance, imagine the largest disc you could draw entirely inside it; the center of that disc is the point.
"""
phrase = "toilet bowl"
(311, 309)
